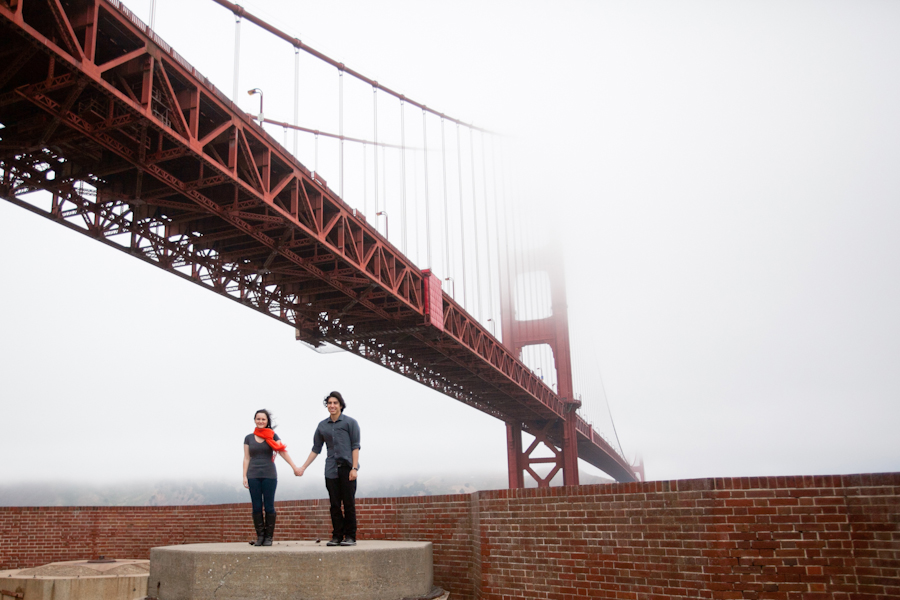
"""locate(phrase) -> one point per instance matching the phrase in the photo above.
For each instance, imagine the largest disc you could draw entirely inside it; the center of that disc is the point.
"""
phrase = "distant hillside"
(181, 493)
(454, 484)
(125, 494)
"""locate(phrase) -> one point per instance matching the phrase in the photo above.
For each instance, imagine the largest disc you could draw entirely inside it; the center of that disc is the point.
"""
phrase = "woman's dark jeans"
(262, 491)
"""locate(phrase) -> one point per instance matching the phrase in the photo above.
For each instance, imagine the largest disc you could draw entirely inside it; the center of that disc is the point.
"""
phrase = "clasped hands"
(299, 471)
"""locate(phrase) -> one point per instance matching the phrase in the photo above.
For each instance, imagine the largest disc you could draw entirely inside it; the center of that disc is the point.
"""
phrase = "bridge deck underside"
(136, 149)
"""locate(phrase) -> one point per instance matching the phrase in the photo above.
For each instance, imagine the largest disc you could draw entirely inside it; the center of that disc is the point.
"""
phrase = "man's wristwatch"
(355, 469)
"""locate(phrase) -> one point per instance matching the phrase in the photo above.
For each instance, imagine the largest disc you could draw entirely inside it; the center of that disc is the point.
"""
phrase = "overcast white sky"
(726, 177)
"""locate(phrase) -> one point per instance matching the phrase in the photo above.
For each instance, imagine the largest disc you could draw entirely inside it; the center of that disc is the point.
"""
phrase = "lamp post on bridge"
(258, 91)
(383, 213)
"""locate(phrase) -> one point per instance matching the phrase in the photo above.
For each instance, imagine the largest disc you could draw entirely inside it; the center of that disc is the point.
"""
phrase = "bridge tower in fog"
(541, 268)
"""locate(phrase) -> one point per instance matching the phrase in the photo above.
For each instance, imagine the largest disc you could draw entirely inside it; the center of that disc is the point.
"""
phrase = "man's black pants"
(342, 491)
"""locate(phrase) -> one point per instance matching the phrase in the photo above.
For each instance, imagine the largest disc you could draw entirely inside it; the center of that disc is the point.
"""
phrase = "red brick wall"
(31, 536)
(776, 537)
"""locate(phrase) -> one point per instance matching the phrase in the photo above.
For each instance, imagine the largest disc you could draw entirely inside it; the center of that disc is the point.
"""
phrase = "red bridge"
(109, 131)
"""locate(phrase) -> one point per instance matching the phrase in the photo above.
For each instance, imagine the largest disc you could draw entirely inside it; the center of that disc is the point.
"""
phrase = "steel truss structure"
(130, 145)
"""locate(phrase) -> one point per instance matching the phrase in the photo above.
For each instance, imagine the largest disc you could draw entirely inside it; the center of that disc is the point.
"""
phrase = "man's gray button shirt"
(341, 437)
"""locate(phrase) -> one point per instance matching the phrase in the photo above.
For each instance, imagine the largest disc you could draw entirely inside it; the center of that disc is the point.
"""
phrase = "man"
(340, 434)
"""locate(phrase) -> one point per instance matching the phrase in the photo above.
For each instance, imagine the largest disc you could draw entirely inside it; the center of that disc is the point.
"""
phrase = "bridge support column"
(552, 330)
(514, 456)
(570, 446)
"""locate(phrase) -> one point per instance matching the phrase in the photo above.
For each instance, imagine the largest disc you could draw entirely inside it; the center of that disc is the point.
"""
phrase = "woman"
(260, 476)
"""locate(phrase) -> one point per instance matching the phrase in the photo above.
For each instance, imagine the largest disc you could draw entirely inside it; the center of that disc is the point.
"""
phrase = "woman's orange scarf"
(269, 435)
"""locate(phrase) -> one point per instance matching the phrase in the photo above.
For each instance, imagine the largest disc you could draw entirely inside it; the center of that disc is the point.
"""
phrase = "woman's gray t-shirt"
(261, 465)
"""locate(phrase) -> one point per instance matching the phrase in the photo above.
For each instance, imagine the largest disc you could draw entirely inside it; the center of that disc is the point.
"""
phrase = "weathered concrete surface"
(371, 570)
(79, 580)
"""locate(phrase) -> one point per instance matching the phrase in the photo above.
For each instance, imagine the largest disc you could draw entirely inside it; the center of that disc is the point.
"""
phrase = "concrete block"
(371, 570)
(79, 580)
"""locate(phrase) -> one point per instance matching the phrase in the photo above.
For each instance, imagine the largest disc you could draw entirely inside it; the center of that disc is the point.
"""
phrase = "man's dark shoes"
(335, 541)
(348, 541)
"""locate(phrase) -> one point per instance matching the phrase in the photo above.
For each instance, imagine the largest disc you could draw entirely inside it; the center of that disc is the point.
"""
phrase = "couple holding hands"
(340, 434)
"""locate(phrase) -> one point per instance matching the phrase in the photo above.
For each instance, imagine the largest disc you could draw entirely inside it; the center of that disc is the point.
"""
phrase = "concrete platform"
(371, 570)
(78, 580)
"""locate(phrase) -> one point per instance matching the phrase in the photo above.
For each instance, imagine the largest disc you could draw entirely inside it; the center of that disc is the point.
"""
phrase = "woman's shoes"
(260, 527)
(269, 530)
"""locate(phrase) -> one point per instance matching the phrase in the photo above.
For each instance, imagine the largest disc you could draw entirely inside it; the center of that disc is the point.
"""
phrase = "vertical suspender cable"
(529, 303)
(446, 210)
(609, 410)
(541, 302)
(462, 221)
(479, 316)
(341, 131)
(585, 389)
(153, 15)
(487, 233)
(403, 175)
(524, 261)
(537, 289)
(514, 255)
(237, 56)
(316, 163)
(414, 215)
(427, 209)
(509, 249)
(365, 179)
(496, 214)
(546, 299)
(502, 242)
(296, 96)
(535, 293)
(375, 147)
(521, 269)
(539, 298)
(384, 194)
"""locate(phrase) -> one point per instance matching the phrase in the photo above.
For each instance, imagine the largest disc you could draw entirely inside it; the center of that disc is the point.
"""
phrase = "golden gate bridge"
(109, 131)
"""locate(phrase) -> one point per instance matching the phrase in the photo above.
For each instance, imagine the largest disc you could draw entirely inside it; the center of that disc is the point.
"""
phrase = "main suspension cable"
(240, 12)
